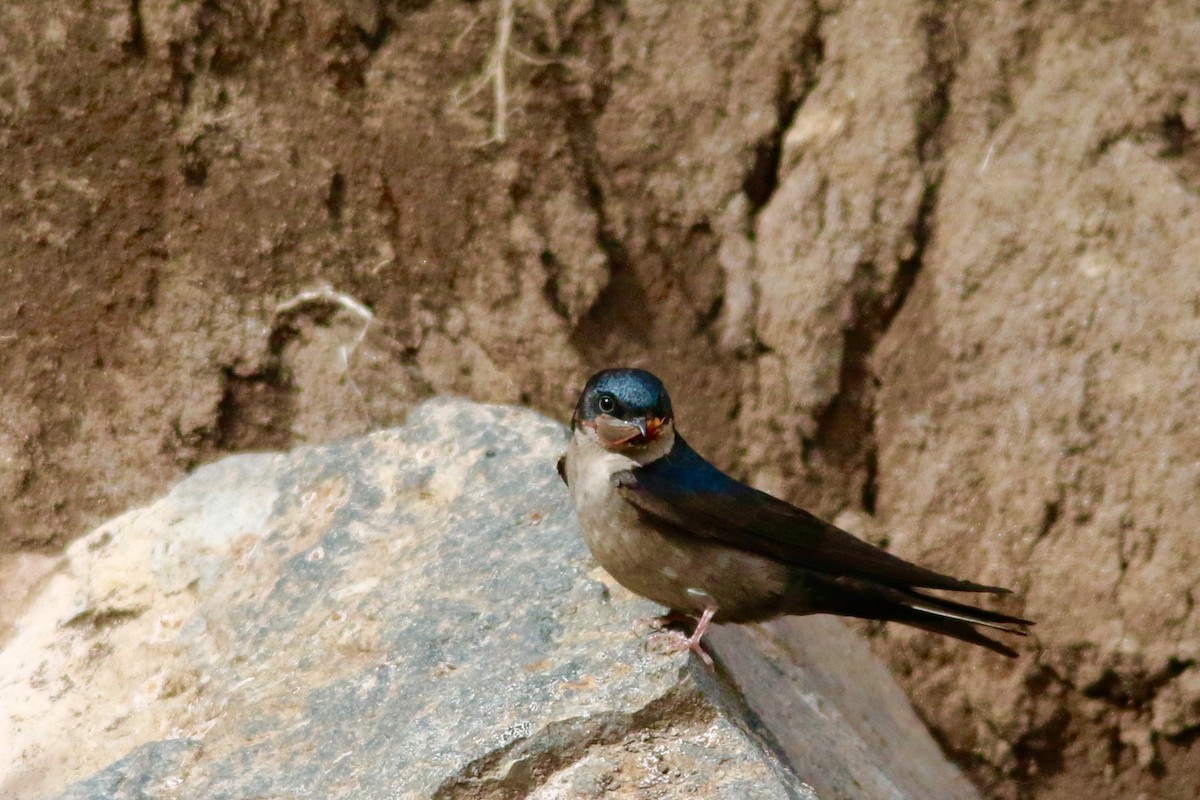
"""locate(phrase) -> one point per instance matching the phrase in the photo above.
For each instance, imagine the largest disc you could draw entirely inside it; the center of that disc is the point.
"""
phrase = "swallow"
(673, 528)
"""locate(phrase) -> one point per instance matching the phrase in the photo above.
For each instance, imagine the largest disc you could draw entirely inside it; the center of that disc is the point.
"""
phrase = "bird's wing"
(685, 491)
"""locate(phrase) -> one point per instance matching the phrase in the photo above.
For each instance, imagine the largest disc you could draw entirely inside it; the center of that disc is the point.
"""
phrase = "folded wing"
(684, 490)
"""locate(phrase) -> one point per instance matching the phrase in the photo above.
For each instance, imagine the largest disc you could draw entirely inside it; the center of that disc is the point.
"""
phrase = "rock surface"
(412, 614)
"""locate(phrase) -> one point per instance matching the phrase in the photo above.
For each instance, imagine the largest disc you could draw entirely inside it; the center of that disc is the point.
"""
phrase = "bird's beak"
(651, 428)
(615, 432)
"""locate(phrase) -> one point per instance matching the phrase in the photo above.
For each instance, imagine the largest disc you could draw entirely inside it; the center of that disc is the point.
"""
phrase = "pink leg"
(678, 642)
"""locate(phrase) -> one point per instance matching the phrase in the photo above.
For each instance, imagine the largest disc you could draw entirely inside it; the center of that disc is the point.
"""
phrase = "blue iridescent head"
(624, 406)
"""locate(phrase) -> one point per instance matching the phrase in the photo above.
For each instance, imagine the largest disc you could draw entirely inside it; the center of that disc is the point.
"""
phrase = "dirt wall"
(928, 269)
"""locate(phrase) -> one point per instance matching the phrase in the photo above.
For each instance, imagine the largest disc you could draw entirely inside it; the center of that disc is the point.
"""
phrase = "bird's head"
(628, 411)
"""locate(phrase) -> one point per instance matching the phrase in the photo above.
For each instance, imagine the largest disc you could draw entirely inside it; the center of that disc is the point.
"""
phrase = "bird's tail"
(868, 600)
(938, 615)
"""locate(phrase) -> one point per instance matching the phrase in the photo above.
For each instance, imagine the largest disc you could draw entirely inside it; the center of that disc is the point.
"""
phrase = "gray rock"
(834, 711)
(408, 615)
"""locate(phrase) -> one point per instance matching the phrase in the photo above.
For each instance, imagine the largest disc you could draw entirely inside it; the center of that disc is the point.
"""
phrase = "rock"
(413, 614)
(835, 711)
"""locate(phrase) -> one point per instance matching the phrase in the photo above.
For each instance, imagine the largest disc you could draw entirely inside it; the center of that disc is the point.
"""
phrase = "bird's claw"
(660, 622)
(676, 642)
(655, 624)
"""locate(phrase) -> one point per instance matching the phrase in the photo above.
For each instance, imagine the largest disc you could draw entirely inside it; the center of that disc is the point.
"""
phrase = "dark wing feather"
(853, 597)
(684, 490)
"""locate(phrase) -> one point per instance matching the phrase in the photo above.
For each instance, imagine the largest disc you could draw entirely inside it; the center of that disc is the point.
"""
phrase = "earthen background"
(928, 268)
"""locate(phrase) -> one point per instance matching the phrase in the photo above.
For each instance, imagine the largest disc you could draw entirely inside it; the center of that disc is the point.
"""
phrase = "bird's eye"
(607, 404)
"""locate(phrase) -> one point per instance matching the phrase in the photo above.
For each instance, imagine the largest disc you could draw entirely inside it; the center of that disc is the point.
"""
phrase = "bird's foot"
(660, 623)
(677, 642)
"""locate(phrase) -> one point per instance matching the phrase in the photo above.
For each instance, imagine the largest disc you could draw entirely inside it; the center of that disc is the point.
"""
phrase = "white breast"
(604, 517)
(639, 557)
(589, 473)
(680, 571)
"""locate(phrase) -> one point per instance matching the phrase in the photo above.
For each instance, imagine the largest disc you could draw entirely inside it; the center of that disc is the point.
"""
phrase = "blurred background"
(929, 269)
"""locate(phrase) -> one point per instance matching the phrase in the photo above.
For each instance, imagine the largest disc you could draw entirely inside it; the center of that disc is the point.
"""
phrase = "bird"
(672, 527)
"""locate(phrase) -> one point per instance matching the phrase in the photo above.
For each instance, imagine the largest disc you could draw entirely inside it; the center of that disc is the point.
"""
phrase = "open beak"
(616, 432)
(651, 428)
